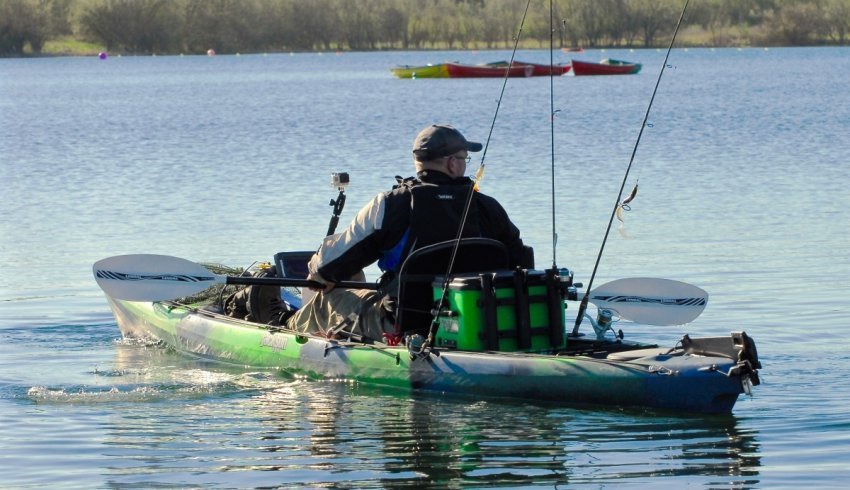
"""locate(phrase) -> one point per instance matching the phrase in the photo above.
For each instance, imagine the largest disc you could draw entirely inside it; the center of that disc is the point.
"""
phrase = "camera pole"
(340, 181)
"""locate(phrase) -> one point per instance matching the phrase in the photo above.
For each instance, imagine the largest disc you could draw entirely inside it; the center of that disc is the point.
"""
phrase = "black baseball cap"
(440, 140)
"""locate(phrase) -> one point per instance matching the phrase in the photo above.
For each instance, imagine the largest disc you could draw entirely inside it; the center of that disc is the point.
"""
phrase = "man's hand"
(328, 286)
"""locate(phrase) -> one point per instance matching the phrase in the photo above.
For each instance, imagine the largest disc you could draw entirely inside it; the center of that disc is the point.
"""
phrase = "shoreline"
(568, 51)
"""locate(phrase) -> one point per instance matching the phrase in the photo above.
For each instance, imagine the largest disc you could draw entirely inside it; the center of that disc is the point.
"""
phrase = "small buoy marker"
(103, 55)
(211, 52)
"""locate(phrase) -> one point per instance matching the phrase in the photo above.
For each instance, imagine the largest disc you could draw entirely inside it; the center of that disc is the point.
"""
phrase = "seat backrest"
(417, 272)
(293, 265)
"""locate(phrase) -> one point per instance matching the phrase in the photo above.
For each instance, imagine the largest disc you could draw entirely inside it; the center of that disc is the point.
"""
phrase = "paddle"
(148, 277)
(651, 301)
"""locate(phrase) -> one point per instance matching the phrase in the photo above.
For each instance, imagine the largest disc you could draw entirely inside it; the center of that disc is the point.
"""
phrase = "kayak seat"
(417, 272)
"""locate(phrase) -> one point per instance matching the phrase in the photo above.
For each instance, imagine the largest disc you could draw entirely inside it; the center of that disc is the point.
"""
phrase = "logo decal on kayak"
(276, 342)
(122, 276)
(643, 299)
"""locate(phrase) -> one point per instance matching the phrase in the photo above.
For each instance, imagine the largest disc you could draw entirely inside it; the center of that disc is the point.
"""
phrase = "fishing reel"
(569, 289)
(603, 323)
(418, 347)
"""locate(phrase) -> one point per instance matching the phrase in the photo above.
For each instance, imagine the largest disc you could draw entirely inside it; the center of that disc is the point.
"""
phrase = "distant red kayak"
(485, 71)
(537, 69)
(606, 67)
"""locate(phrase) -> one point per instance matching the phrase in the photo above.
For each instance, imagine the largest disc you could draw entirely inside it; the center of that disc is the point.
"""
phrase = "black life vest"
(436, 212)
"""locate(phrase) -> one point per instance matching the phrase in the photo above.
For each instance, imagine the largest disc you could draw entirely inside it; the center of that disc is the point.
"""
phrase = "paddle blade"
(651, 301)
(147, 277)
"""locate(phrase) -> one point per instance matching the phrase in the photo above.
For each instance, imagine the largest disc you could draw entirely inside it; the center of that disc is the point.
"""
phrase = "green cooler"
(507, 311)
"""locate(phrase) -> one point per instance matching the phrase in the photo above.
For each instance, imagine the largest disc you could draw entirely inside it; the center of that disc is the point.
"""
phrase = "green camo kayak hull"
(705, 376)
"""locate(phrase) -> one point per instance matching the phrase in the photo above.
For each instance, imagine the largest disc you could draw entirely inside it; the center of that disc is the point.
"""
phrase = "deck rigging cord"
(618, 203)
(479, 173)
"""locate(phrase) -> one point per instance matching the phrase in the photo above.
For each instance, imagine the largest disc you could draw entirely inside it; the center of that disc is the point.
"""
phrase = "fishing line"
(478, 175)
(584, 301)
(502, 93)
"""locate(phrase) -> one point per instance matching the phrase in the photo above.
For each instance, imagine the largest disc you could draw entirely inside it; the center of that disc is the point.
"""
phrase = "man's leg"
(327, 311)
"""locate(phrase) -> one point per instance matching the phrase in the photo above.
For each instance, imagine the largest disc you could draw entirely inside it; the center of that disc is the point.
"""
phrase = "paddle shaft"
(149, 277)
(300, 283)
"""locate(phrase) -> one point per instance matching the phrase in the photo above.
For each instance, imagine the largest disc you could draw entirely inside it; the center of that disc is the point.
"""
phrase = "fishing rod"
(583, 306)
(432, 330)
(552, 126)
(480, 172)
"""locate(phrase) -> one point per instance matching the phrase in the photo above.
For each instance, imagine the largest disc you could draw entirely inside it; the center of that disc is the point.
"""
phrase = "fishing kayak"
(697, 375)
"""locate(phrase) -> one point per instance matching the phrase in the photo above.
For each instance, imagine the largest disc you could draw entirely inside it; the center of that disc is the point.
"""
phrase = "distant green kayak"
(424, 71)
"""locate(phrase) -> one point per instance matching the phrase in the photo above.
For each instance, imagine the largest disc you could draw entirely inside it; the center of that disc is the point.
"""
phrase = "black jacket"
(419, 212)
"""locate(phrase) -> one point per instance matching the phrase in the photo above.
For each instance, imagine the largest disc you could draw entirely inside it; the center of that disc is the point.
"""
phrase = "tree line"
(243, 26)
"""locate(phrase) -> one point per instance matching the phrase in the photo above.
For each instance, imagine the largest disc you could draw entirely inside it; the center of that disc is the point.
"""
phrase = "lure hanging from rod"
(622, 207)
(630, 198)
(624, 204)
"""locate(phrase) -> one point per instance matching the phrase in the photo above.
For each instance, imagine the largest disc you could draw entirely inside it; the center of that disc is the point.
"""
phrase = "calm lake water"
(743, 175)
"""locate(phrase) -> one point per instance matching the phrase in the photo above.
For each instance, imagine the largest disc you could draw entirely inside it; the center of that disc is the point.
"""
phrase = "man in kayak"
(417, 212)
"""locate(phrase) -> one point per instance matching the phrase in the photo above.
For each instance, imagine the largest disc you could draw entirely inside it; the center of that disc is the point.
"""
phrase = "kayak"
(423, 71)
(457, 70)
(537, 69)
(491, 331)
(605, 67)
(697, 375)
(635, 67)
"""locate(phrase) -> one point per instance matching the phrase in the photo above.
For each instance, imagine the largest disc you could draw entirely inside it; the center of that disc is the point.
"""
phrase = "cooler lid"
(501, 279)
